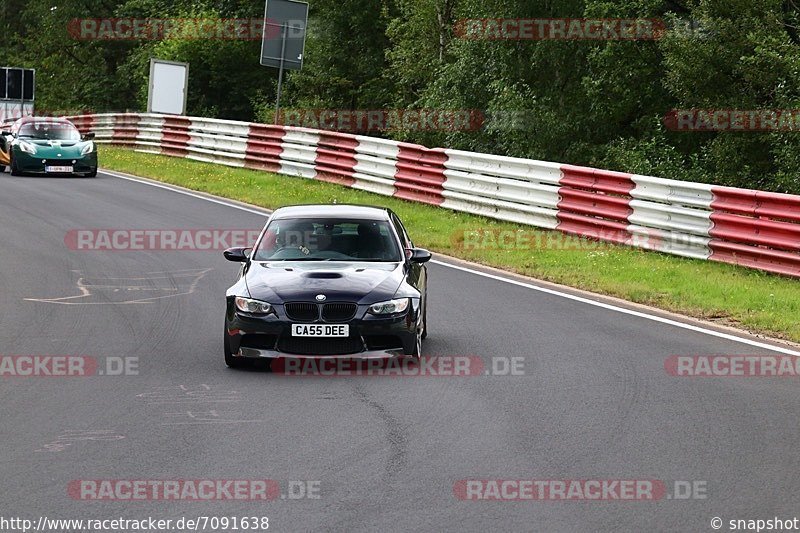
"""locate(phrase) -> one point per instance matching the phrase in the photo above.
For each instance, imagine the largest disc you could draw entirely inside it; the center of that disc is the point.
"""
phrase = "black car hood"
(287, 281)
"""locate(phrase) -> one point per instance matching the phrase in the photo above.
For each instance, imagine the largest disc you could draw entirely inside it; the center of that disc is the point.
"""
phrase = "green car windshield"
(60, 131)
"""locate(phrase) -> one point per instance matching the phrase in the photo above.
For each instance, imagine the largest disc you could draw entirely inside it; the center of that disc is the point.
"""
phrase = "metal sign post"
(284, 30)
(286, 19)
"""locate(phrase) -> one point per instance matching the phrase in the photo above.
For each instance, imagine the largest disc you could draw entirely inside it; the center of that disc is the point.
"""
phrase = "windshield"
(61, 131)
(327, 240)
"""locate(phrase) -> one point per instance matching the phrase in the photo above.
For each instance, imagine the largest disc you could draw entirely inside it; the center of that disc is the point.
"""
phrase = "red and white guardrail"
(745, 227)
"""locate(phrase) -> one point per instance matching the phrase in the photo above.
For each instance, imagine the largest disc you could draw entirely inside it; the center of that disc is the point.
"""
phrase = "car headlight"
(389, 307)
(28, 148)
(254, 307)
(88, 148)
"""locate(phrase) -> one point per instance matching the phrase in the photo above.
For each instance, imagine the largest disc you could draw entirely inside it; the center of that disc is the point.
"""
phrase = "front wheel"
(2, 168)
(230, 360)
(425, 320)
(91, 174)
(14, 170)
(416, 351)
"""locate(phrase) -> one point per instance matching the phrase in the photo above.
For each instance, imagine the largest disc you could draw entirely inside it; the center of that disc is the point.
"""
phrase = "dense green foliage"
(599, 103)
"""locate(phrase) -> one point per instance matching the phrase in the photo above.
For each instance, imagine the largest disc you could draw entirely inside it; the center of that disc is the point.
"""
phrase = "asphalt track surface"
(594, 400)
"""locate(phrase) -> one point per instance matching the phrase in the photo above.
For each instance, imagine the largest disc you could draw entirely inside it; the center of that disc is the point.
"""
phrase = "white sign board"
(169, 82)
(12, 111)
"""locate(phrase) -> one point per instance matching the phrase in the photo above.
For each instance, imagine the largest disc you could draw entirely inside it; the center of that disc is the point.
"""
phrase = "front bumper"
(370, 337)
(35, 164)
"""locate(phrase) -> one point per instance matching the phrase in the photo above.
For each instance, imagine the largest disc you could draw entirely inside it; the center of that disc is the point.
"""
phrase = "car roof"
(332, 211)
(49, 120)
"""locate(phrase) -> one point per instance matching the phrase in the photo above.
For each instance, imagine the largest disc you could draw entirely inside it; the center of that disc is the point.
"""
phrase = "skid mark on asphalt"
(395, 434)
(134, 290)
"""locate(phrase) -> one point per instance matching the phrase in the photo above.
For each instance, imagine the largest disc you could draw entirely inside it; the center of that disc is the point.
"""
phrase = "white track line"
(631, 312)
(587, 301)
(187, 193)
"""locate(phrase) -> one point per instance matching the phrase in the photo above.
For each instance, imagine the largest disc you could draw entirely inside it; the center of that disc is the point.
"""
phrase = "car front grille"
(338, 312)
(320, 346)
(301, 311)
(309, 312)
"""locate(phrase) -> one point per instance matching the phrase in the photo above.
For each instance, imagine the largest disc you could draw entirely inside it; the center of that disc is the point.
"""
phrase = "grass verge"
(726, 294)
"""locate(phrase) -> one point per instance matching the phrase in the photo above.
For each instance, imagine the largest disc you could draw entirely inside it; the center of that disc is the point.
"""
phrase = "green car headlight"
(89, 148)
(28, 148)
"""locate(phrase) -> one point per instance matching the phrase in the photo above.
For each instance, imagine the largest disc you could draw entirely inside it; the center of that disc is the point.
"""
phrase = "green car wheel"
(13, 169)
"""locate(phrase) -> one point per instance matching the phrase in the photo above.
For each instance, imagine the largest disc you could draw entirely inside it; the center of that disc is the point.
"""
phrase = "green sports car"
(38, 145)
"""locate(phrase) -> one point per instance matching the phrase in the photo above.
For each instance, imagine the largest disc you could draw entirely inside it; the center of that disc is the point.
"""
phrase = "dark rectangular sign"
(17, 83)
(28, 84)
(284, 17)
(14, 84)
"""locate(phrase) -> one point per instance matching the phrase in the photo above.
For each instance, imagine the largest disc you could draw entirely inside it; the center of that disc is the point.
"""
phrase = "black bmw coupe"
(328, 281)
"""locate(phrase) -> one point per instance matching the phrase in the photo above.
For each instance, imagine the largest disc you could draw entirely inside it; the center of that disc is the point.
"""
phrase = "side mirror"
(5, 132)
(237, 255)
(420, 255)
(88, 136)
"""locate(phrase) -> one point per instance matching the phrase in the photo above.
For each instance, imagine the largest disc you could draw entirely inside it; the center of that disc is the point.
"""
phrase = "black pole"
(280, 72)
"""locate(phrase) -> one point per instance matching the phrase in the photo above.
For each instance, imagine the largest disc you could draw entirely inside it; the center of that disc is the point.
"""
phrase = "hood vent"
(323, 275)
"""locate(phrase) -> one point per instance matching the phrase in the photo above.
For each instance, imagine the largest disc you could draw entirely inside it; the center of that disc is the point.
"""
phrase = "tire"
(14, 170)
(230, 360)
(91, 174)
(416, 352)
(425, 319)
(2, 168)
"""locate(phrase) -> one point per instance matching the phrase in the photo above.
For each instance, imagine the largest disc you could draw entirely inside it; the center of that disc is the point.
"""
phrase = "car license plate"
(58, 169)
(320, 330)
